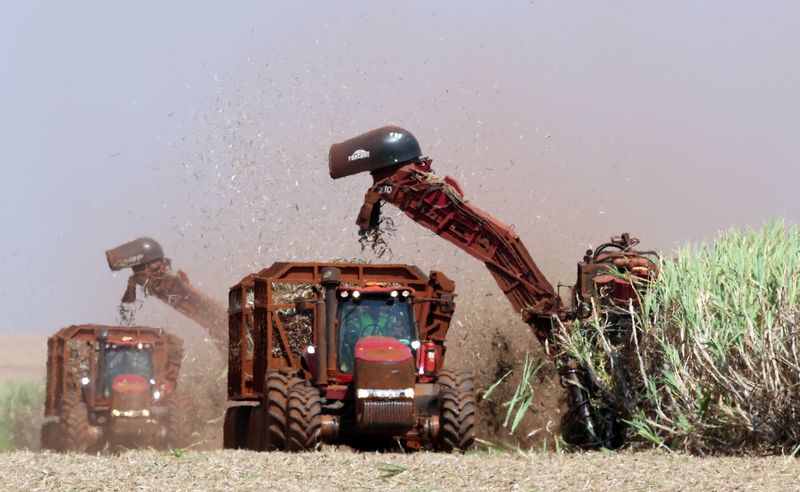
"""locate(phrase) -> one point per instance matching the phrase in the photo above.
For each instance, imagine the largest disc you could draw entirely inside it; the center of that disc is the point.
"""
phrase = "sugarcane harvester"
(153, 273)
(607, 277)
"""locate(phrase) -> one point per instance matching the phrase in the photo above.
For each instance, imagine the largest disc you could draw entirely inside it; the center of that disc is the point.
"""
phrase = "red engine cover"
(129, 383)
(382, 349)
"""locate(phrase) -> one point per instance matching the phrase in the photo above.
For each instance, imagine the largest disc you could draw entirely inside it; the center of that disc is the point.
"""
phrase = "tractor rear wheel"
(235, 427)
(456, 411)
(274, 407)
(305, 419)
(74, 423)
(179, 421)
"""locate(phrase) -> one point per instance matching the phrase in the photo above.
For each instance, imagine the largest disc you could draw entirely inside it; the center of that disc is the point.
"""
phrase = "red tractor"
(344, 353)
(607, 281)
(115, 386)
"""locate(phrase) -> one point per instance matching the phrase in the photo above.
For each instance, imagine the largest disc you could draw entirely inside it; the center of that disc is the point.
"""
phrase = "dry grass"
(341, 469)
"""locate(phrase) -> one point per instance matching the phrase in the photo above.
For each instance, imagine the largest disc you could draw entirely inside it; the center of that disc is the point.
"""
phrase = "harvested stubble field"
(338, 469)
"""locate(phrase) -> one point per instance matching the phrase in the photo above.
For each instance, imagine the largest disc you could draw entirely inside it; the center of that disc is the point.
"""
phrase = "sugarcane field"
(417, 246)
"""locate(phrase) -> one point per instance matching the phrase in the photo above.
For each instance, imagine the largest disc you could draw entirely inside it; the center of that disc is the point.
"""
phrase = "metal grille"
(380, 415)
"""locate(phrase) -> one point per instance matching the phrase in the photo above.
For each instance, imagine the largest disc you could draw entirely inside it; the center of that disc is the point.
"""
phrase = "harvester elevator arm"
(154, 274)
(439, 205)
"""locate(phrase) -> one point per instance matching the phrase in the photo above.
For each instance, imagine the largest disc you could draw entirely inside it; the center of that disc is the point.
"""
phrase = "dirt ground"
(337, 470)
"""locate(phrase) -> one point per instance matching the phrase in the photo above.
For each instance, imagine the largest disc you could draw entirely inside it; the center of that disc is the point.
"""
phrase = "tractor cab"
(127, 361)
(373, 311)
(126, 383)
(124, 361)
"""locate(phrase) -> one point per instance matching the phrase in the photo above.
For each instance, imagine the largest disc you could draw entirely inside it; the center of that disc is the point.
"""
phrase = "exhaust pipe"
(331, 278)
(102, 379)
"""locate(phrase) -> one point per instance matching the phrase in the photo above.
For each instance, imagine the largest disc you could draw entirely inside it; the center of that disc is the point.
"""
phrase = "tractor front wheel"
(305, 419)
(74, 423)
(456, 411)
(274, 408)
(179, 422)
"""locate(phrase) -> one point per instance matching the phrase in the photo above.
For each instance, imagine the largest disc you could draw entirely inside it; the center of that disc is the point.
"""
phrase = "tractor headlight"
(415, 345)
(356, 294)
(393, 293)
(385, 393)
(406, 293)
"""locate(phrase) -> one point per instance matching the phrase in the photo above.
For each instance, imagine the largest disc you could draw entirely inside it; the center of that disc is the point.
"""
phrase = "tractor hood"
(383, 363)
(382, 349)
(129, 383)
(130, 396)
(384, 147)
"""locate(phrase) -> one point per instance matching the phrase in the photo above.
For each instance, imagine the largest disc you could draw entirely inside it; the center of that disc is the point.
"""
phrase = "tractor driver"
(369, 318)
(377, 320)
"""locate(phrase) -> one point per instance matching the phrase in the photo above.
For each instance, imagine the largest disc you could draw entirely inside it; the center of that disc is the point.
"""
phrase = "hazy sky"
(208, 129)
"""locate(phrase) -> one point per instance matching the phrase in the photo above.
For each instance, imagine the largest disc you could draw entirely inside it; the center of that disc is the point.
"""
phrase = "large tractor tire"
(74, 424)
(50, 438)
(450, 380)
(254, 438)
(274, 407)
(179, 420)
(457, 409)
(234, 430)
(305, 419)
